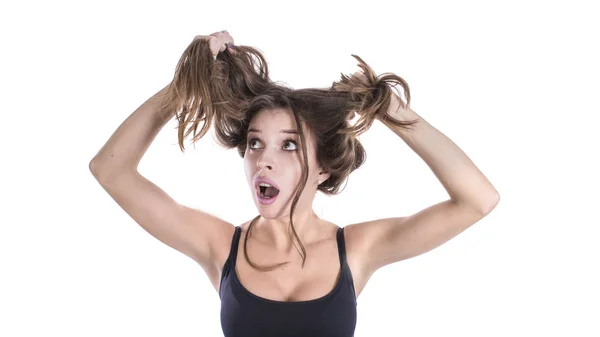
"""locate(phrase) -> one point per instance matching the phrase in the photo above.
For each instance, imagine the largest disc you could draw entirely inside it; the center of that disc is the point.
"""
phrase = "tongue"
(271, 191)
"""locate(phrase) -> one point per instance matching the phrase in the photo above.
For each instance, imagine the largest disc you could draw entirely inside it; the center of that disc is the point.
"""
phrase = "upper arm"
(192, 232)
(385, 241)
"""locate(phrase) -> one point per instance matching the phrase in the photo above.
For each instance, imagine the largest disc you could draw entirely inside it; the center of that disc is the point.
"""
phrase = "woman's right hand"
(217, 42)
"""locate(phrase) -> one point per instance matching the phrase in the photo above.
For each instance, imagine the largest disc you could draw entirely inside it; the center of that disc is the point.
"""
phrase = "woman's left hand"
(398, 109)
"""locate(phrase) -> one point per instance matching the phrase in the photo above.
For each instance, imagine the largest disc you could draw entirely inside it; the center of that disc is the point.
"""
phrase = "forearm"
(127, 145)
(463, 181)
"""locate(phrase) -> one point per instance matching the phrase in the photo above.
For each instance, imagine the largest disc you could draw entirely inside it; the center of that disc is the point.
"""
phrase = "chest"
(290, 282)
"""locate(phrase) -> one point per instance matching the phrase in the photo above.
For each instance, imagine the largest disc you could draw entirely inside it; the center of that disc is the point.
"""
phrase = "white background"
(513, 83)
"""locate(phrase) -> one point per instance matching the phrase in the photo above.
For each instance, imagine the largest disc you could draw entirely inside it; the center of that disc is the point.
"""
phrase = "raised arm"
(472, 197)
(190, 231)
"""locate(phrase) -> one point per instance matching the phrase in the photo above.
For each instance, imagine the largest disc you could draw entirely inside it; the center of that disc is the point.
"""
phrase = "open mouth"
(266, 191)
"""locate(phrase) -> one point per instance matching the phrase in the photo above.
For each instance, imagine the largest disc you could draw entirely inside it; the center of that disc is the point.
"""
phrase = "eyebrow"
(281, 131)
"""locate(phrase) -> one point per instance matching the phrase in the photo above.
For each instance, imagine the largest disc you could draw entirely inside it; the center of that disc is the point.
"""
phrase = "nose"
(265, 161)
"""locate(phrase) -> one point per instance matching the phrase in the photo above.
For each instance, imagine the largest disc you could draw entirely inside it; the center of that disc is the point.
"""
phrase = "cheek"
(249, 166)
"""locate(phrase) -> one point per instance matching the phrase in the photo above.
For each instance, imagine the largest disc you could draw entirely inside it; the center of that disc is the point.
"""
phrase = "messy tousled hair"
(229, 91)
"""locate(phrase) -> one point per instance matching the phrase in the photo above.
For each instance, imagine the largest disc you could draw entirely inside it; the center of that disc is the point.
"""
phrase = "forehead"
(278, 121)
(277, 118)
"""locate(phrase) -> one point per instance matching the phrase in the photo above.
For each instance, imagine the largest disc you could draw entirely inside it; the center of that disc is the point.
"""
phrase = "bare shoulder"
(223, 247)
(355, 246)
(218, 234)
(355, 256)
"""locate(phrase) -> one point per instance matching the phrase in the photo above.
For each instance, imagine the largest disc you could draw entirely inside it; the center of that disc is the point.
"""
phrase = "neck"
(275, 231)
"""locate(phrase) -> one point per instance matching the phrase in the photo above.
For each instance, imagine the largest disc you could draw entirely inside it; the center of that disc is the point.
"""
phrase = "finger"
(202, 37)
(221, 39)
(230, 45)
(214, 46)
(227, 39)
(229, 48)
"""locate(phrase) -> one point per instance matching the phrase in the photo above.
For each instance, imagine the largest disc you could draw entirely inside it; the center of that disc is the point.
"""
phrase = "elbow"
(94, 168)
(490, 204)
(106, 173)
(99, 171)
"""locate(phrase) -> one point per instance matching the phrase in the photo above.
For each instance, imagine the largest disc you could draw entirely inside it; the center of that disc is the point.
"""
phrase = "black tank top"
(246, 314)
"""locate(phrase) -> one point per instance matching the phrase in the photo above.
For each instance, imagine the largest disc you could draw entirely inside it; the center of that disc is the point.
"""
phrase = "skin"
(269, 153)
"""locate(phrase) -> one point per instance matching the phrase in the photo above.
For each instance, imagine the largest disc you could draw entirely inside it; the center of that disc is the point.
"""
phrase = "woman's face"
(273, 151)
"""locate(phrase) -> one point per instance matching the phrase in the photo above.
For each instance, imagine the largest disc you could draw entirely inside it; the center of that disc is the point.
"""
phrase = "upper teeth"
(264, 185)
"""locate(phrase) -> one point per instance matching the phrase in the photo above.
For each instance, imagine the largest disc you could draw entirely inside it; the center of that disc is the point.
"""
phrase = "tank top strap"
(234, 246)
(229, 265)
(345, 267)
(341, 245)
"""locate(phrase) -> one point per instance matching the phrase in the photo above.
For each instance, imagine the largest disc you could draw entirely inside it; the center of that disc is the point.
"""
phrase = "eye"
(290, 141)
(288, 144)
(251, 141)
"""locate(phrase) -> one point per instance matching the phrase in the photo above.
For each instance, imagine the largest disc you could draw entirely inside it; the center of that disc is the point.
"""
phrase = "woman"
(299, 275)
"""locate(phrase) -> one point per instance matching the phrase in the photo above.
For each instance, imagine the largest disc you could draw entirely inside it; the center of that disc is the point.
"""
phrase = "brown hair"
(230, 90)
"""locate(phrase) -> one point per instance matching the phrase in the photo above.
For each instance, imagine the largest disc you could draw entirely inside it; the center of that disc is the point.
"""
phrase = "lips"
(263, 179)
(262, 200)
(265, 201)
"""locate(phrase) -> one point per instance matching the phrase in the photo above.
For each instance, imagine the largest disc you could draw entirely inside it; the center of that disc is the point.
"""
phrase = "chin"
(267, 215)
(272, 211)
(268, 211)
